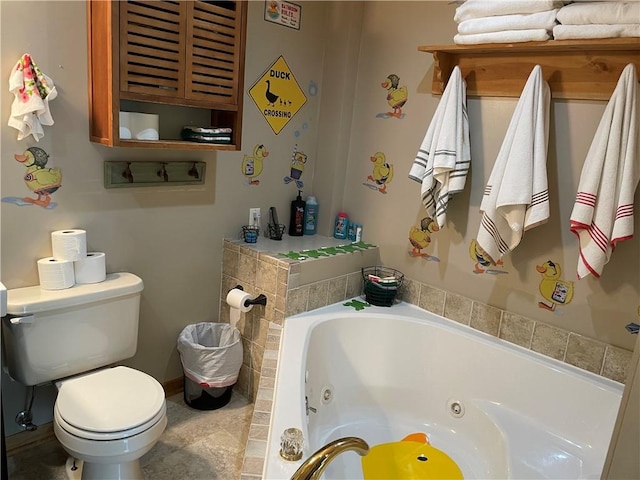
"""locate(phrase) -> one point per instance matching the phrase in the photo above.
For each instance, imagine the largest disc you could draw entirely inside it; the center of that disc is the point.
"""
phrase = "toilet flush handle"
(19, 320)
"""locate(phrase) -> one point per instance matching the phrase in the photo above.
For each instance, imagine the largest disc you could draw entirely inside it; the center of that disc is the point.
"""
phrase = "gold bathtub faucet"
(314, 466)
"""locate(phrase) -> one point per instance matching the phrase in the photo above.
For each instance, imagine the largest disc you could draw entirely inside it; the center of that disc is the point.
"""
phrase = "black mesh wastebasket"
(211, 356)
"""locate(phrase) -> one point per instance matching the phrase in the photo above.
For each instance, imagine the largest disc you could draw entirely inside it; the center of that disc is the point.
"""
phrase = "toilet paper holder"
(259, 300)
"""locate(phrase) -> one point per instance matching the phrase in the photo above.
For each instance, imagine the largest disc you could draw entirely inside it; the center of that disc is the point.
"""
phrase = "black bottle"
(296, 222)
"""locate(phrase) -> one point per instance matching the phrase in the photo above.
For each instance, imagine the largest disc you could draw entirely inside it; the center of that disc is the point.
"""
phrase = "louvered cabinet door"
(153, 49)
(214, 52)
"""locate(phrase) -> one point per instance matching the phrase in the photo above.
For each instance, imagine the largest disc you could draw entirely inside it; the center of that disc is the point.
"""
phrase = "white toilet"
(106, 419)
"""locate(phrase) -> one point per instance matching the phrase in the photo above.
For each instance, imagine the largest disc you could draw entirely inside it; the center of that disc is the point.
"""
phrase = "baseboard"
(173, 387)
(22, 440)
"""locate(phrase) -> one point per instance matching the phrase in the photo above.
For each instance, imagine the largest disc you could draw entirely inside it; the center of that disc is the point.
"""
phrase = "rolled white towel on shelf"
(499, 23)
(608, 13)
(506, 36)
(567, 32)
(487, 8)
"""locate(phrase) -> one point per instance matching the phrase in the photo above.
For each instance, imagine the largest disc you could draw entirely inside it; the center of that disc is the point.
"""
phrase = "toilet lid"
(110, 400)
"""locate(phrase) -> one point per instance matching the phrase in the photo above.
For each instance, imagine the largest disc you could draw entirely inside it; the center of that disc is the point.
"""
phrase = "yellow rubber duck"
(396, 96)
(482, 258)
(552, 288)
(382, 171)
(252, 165)
(411, 458)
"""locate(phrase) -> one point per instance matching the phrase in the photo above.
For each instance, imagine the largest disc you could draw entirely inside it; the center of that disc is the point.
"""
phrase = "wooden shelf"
(574, 69)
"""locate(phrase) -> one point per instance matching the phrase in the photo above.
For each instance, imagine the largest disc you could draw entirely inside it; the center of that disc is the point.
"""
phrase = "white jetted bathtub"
(498, 410)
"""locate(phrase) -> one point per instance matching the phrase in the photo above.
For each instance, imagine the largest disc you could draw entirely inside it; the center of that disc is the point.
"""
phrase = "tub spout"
(314, 466)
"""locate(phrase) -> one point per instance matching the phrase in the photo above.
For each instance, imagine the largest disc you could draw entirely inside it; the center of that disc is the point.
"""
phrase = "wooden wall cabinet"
(181, 60)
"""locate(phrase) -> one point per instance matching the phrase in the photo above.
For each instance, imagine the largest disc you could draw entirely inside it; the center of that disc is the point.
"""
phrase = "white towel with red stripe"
(603, 212)
(516, 197)
(444, 157)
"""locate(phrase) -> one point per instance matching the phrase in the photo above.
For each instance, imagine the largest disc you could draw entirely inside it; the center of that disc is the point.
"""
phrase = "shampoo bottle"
(296, 222)
(311, 216)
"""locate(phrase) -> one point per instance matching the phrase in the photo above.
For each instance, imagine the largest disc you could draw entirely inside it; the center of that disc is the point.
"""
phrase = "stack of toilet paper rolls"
(70, 262)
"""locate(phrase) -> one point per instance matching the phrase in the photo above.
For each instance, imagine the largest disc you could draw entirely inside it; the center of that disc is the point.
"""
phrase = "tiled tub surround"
(583, 352)
(291, 287)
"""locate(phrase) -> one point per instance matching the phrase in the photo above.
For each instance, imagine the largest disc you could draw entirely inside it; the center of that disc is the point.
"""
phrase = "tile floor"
(197, 445)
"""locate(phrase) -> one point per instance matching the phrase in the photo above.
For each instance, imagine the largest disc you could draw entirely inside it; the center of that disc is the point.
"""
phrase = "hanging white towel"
(611, 13)
(488, 8)
(443, 160)
(516, 197)
(32, 90)
(528, 21)
(507, 36)
(603, 212)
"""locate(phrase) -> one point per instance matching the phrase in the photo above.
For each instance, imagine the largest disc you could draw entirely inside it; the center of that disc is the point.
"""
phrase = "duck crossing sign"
(277, 95)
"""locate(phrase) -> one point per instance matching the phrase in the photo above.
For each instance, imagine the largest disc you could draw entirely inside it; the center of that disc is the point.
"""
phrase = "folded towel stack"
(505, 21)
(582, 20)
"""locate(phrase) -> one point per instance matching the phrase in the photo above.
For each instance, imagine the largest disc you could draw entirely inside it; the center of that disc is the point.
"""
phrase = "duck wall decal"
(555, 290)
(40, 180)
(420, 238)
(252, 165)
(382, 172)
(483, 260)
(396, 96)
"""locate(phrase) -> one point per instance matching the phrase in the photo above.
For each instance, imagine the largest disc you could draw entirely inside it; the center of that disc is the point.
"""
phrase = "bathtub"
(497, 409)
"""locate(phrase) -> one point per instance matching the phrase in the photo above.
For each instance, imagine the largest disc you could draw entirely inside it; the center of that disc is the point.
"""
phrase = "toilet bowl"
(107, 420)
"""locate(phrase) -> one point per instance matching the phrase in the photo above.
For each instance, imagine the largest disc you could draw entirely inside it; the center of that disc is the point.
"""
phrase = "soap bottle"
(311, 216)
(341, 225)
(296, 222)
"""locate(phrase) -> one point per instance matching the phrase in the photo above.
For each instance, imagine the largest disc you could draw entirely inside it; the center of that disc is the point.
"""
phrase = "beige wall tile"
(485, 318)
(516, 329)
(354, 284)
(337, 289)
(431, 299)
(550, 341)
(297, 300)
(230, 262)
(318, 295)
(585, 353)
(257, 352)
(410, 291)
(247, 265)
(616, 361)
(267, 277)
(458, 308)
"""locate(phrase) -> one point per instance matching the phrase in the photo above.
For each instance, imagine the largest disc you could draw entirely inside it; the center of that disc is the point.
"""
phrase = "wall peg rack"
(122, 174)
(574, 69)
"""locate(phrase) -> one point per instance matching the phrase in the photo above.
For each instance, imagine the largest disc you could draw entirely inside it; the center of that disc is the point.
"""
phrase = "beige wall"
(390, 34)
(172, 237)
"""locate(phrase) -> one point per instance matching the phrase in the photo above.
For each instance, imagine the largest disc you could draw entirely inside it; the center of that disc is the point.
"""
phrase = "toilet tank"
(52, 334)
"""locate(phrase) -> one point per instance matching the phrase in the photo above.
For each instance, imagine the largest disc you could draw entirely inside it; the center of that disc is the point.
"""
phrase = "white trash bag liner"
(211, 353)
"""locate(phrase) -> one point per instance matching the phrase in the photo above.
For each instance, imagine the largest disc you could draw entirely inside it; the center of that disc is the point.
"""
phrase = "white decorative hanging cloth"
(516, 197)
(603, 212)
(444, 157)
(32, 90)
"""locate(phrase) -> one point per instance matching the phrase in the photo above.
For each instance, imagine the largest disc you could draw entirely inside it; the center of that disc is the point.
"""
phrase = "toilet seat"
(110, 404)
